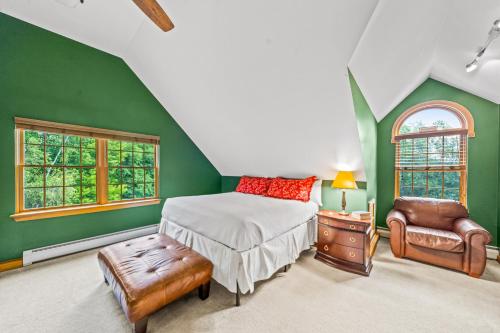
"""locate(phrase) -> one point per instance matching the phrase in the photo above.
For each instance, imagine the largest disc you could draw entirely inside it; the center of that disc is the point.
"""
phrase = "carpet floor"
(68, 295)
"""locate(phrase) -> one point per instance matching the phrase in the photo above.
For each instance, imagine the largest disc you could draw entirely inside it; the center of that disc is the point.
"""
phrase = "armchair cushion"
(442, 240)
(431, 213)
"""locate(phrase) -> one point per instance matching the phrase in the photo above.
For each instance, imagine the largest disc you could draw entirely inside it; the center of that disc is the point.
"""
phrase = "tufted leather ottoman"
(149, 272)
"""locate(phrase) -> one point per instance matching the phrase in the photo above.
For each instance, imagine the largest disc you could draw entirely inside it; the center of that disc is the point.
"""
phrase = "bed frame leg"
(286, 269)
(237, 294)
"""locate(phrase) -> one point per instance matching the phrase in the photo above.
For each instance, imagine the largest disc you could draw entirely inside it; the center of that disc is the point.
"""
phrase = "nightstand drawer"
(331, 235)
(342, 224)
(346, 253)
(325, 234)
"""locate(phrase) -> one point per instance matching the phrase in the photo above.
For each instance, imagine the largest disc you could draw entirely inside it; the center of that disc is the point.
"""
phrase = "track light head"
(493, 34)
(472, 66)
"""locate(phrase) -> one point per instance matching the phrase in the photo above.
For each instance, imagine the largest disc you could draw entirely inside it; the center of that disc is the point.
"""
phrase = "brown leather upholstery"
(149, 272)
(431, 213)
(436, 239)
(438, 232)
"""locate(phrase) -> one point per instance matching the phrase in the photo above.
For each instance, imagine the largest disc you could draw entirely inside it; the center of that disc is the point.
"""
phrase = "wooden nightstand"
(344, 242)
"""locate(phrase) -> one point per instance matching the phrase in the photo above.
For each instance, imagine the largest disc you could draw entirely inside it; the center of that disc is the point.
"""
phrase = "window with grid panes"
(431, 166)
(131, 170)
(66, 169)
(58, 170)
(431, 152)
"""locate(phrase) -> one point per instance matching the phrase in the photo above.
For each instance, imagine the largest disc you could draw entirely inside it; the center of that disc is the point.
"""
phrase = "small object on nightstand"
(344, 242)
(344, 180)
(362, 215)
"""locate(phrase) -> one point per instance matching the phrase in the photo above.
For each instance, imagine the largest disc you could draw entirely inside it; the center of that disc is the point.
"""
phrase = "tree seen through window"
(59, 170)
(131, 170)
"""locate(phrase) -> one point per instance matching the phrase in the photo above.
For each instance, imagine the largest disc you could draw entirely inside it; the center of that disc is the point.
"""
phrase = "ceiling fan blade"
(154, 11)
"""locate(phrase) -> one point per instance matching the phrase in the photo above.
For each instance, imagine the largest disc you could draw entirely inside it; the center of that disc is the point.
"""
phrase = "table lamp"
(345, 181)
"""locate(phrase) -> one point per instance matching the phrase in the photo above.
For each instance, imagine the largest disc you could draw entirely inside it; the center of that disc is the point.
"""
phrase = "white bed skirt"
(247, 267)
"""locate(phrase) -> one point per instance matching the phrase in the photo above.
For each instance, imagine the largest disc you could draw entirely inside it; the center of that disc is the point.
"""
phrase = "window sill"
(67, 211)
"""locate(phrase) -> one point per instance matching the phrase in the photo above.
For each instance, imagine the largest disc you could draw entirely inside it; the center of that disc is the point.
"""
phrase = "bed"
(247, 237)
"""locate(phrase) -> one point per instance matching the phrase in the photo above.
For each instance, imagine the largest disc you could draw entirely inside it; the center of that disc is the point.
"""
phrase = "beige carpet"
(68, 295)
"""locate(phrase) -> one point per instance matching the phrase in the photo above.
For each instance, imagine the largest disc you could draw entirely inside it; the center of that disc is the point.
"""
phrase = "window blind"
(434, 151)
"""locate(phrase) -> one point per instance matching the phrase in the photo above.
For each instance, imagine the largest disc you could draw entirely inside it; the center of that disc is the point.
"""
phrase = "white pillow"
(315, 195)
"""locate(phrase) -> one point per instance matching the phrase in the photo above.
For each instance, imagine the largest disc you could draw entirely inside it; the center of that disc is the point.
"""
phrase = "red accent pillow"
(291, 189)
(253, 185)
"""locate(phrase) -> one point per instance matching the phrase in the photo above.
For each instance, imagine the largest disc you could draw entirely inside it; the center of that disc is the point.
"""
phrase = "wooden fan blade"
(154, 11)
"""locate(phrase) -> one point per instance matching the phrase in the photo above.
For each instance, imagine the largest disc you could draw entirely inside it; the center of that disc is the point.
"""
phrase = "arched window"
(431, 151)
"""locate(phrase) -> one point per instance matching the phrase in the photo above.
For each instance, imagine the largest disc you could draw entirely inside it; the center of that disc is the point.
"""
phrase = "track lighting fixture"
(492, 35)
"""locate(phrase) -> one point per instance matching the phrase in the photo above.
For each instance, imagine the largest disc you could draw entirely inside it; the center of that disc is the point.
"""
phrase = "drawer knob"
(352, 254)
(325, 247)
(325, 233)
(352, 226)
(352, 239)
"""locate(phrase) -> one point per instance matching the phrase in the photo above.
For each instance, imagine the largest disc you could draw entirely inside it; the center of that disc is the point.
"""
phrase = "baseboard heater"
(53, 251)
(492, 251)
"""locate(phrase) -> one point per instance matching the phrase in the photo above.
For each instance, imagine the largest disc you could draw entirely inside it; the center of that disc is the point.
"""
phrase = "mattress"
(237, 220)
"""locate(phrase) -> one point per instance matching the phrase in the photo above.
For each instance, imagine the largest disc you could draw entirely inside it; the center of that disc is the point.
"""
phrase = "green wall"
(483, 161)
(331, 198)
(367, 128)
(229, 183)
(49, 77)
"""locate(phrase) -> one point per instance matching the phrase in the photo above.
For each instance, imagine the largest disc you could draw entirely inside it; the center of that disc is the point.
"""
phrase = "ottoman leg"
(204, 291)
(141, 326)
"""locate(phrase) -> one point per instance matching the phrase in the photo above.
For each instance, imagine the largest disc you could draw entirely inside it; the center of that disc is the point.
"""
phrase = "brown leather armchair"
(438, 232)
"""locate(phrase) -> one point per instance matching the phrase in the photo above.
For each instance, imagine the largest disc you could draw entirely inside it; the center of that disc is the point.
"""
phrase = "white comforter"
(239, 221)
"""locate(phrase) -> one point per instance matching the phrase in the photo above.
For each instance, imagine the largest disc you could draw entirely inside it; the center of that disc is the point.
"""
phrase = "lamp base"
(343, 212)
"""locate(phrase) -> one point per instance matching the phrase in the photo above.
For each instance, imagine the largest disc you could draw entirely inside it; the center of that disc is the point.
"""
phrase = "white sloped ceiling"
(262, 87)
(406, 41)
(395, 54)
(467, 26)
(107, 25)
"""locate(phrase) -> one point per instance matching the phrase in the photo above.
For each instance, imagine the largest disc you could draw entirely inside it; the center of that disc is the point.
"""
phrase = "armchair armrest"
(466, 227)
(395, 216)
(396, 221)
(475, 238)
